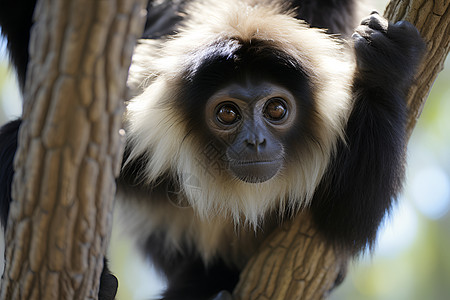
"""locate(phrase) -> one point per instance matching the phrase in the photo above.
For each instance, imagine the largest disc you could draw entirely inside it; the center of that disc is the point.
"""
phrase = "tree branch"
(293, 263)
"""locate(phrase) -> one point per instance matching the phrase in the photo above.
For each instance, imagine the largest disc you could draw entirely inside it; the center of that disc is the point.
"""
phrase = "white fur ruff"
(158, 131)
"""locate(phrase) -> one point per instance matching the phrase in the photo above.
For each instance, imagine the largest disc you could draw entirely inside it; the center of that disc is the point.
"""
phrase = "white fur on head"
(158, 131)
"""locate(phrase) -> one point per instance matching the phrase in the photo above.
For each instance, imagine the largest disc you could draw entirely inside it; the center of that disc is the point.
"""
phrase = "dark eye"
(275, 109)
(227, 114)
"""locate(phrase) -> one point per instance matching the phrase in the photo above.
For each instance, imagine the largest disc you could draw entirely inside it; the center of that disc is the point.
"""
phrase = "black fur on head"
(166, 124)
(233, 62)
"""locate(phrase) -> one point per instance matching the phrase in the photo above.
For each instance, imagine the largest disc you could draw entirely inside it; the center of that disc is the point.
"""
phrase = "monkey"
(243, 113)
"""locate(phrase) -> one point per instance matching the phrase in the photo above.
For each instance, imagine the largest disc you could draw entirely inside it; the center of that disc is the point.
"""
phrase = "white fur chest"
(181, 228)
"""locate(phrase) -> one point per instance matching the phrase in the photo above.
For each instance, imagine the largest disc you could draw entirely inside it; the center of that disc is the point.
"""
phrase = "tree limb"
(293, 263)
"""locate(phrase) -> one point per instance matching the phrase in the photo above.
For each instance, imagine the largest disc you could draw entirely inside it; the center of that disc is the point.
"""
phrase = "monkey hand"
(387, 54)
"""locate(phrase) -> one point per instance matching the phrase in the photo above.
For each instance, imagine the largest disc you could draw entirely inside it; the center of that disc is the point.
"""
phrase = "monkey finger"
(376, 22)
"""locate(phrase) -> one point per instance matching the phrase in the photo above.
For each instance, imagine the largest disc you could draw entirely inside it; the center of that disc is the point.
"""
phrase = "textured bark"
(432, 18)
(69, 148)
(295, 262)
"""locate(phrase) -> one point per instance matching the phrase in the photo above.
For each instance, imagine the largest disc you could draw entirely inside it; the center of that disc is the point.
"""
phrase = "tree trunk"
(432, 18)
(295, 262)
(69, 148)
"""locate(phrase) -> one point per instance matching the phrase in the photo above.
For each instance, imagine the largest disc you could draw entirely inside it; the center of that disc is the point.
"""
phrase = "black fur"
(189, 278)
(367, 174)
(363, 178)
(258, 61)
(8, 146)
(337, 16)
(15, 23)
(108, 283)
(162, 18)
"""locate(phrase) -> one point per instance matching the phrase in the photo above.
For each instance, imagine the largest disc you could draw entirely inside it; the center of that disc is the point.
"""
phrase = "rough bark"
(69, 148)
(432, 18)
(294, 262)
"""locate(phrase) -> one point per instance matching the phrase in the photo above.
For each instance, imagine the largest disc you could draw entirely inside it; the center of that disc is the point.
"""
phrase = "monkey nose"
(256, 143)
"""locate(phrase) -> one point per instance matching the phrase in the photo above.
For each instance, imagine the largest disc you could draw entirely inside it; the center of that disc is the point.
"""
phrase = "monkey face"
(242, 115)
(251, 120)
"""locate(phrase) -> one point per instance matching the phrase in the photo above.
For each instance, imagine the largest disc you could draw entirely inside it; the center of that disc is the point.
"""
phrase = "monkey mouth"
(255, 171)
